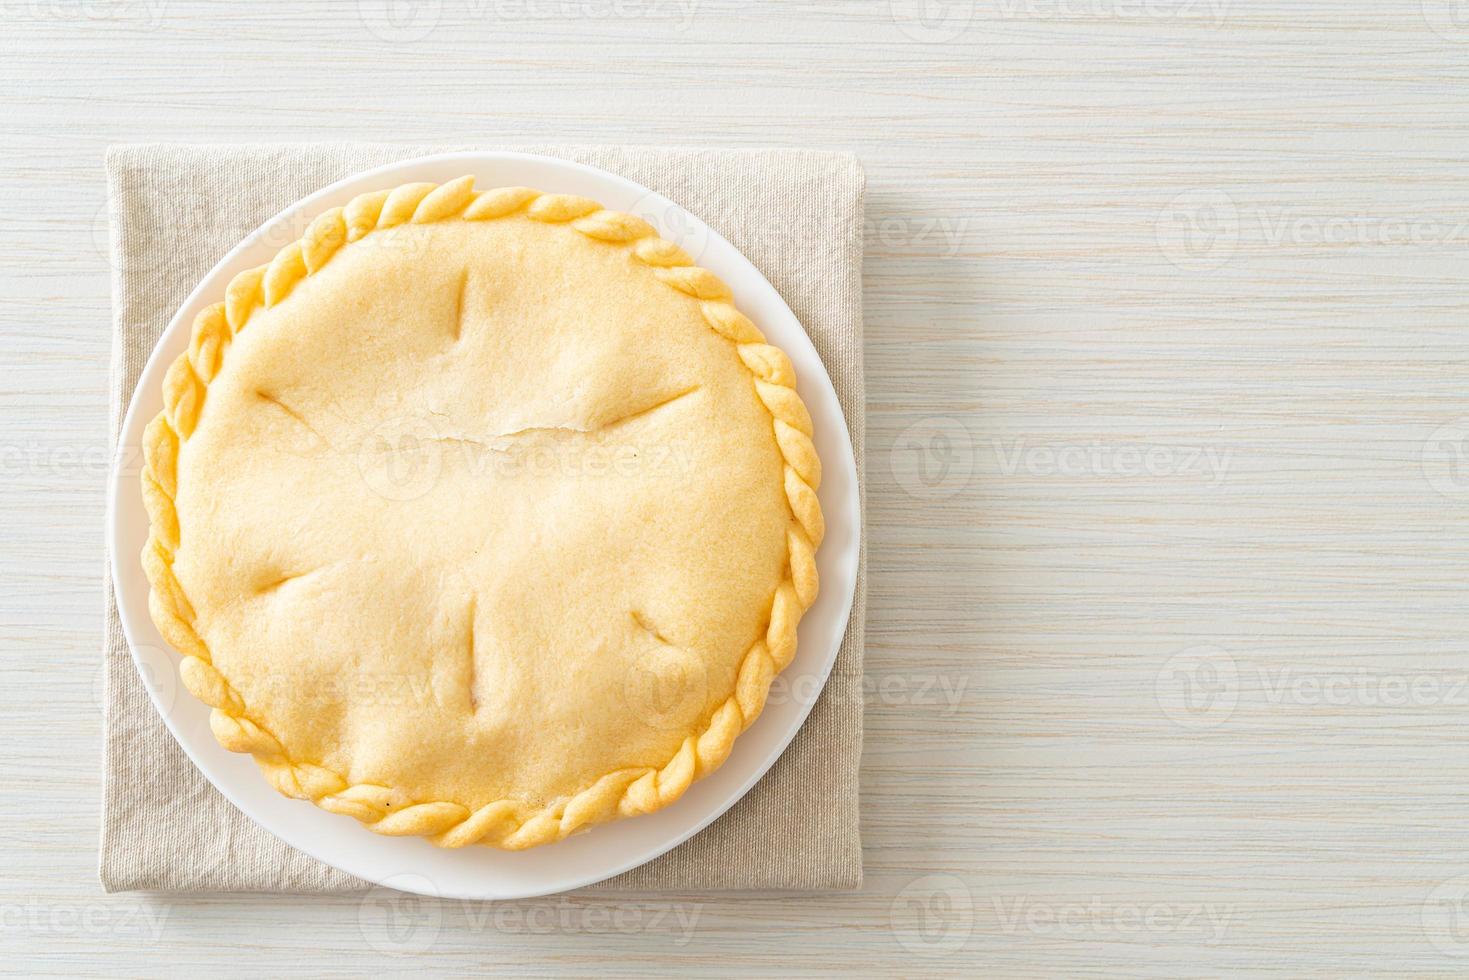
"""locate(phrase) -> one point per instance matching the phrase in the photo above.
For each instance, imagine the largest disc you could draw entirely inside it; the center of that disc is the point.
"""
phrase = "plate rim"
(839, 555)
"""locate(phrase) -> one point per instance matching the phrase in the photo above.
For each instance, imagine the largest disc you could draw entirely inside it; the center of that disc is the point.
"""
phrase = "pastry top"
(481, 516)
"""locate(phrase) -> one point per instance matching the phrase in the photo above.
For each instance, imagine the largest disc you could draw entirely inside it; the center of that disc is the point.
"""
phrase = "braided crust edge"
(508, 824)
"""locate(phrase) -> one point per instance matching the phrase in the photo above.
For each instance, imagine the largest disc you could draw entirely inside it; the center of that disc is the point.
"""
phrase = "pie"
(480, 516)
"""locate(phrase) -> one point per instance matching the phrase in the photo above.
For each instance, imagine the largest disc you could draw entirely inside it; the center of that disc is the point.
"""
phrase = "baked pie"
(481, 516)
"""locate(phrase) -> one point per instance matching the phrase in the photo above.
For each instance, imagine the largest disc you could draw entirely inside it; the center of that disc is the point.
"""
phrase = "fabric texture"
(176, 209)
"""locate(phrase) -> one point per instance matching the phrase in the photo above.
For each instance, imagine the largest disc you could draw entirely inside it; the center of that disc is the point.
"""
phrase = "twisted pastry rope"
(508, 824)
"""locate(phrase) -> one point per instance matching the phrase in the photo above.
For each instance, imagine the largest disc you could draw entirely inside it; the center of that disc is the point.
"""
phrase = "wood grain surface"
(1168, 479)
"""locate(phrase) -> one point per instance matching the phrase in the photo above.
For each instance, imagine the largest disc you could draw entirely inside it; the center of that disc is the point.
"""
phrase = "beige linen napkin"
(176, 209)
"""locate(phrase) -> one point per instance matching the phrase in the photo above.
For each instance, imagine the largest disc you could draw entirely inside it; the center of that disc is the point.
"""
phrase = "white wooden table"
(1167, 333)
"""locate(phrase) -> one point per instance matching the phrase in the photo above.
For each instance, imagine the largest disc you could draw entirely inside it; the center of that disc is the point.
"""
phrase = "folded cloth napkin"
(176, 209)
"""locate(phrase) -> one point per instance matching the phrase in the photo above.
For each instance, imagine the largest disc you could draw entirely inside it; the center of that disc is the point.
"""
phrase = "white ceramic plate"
(412, 864)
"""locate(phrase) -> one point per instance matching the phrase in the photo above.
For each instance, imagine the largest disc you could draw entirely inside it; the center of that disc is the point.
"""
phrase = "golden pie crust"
(481, 516)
